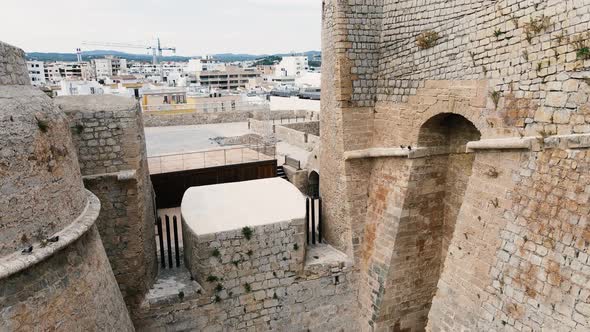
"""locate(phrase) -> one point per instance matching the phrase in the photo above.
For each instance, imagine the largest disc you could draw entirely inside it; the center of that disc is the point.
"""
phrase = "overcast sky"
(194, 27)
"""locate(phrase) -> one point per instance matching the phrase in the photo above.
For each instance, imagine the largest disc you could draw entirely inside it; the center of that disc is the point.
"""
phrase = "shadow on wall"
(431, 208)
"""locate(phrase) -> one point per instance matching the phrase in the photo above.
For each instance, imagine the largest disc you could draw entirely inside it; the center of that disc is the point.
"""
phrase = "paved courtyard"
(166, 140)
(180, 148)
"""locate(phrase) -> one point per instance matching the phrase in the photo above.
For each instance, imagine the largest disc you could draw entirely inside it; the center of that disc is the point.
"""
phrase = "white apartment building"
(103, 68)
(56, 71)
(109, 66)
(294, 65)
(88, 73)
(205, 63)
(36, 72)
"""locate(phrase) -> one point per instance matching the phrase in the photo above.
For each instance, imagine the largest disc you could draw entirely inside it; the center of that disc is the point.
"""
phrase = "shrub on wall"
(581, 43)
(427, 39)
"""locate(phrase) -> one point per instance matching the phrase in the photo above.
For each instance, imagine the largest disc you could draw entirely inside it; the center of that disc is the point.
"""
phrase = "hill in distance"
(89, 55)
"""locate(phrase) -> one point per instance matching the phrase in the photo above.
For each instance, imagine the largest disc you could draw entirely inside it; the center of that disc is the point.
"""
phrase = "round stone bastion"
(54, 272)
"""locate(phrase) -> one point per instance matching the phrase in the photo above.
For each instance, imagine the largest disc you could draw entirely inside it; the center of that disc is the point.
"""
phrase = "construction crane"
(156, 49)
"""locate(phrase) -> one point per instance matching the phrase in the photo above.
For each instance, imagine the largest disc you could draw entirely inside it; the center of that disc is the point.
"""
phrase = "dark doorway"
(314, 184)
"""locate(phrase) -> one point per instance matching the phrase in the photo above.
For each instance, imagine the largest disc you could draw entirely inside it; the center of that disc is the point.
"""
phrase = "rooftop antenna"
(79, 54)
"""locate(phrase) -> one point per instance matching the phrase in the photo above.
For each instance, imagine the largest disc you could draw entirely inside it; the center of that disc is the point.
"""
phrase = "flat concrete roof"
(232, 206)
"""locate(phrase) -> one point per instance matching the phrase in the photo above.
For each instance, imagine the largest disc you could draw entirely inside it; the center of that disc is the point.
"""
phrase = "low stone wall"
(259, 284)
(286, 114)
(242, 261)
(296, 137)
(154, 119)
(161, 119)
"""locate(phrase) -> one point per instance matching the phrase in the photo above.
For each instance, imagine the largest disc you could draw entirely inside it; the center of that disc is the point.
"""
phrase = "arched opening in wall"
(314, 184)
(436, 189)
(448, 135)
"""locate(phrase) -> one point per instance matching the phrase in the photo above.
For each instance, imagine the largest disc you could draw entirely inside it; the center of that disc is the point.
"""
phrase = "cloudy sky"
(195, 27)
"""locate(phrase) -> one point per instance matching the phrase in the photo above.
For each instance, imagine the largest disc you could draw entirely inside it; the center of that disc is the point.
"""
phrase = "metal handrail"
(184, 155)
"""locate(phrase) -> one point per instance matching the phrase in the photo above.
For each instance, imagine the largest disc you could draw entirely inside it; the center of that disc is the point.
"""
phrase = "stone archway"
(448, 134)
(436, 186)
(313, 184)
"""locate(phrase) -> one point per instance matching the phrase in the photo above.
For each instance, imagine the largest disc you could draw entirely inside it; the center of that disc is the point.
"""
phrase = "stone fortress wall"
(71, 284)
(109, 138)
(266, 283)
(499, 231)
(63, 278)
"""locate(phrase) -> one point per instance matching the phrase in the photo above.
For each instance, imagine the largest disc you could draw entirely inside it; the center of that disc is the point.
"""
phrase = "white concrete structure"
(232, 206)
(308, 79)
(292, 66)
(36, 72)
(206, 63)
(293, 103)
(103, 68)
(77, 87)
(109, 66)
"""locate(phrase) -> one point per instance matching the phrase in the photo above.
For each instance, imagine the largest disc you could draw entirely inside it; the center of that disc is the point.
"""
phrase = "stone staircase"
(281, 172)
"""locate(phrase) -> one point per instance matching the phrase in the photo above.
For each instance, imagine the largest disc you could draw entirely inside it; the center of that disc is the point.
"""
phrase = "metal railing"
(313, 225)
(166, 249)
(213, 107)
(236, 154)
(288, 119)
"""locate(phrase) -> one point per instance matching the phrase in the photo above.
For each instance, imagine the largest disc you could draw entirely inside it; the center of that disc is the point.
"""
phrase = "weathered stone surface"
(63, 280)
(40, 185)
(380, 90)
(110, 141)
(13, 68)
(265, 283)
(73, 290)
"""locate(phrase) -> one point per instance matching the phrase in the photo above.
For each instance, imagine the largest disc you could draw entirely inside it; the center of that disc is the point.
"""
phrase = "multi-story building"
(36, 72)
(56, 71)
(52, 73)
(109, 66)
(294, 65)
(205, 63)
(231, 78)
(266, 70)
(88, 73)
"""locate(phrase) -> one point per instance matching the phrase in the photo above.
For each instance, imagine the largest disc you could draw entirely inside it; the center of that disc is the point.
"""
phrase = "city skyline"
(228, 26)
